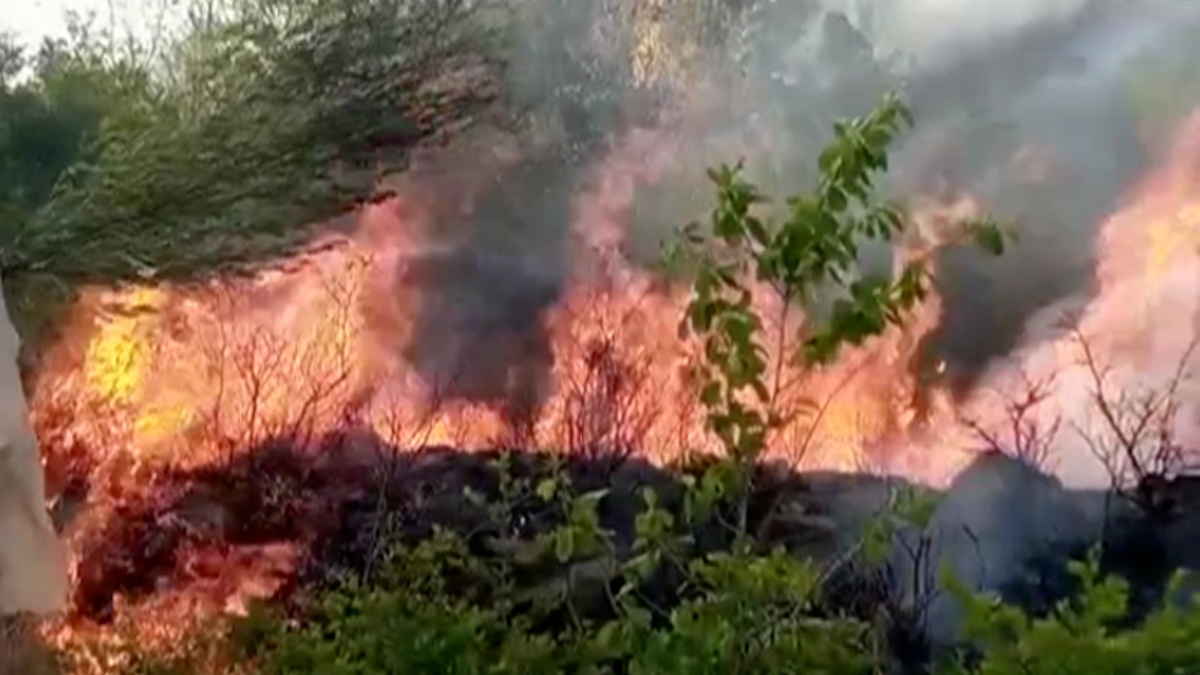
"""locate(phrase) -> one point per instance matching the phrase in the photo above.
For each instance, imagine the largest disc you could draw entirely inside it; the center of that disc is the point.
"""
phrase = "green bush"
(749, 612)
(1084, 634)
(738, 612)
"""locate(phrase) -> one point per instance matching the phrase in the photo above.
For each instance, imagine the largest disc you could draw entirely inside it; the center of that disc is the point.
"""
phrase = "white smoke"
(937, 29)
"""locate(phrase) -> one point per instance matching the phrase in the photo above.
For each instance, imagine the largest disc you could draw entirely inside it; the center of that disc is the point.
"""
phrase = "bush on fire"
(128, 164)
(571, 600)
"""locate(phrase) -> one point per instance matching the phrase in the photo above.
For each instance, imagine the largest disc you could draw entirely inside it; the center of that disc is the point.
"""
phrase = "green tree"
(219, 146)
(277, 119)
(46, 123)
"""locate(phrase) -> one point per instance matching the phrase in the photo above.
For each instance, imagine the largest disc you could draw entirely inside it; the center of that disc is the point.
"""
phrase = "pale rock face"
(33, 565)
(997, 517)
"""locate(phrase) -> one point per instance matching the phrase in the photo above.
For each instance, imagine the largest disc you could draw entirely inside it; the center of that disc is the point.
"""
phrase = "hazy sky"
(34, 20)
(909, 22)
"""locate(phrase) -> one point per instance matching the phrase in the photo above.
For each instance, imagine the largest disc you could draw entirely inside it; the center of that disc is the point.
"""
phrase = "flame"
(1138, 328)
(181, 375)
(300, 351)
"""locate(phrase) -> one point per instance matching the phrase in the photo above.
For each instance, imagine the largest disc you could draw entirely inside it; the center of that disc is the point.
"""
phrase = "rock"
(1004, 528)
(995, 520)
(33, 562)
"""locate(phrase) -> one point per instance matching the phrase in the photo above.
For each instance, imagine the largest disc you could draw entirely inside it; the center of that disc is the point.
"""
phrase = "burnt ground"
(275, 520)
(334, 509)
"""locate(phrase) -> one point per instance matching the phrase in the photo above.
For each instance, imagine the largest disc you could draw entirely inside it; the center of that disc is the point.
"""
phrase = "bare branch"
(1026, 437)
(1142, 454)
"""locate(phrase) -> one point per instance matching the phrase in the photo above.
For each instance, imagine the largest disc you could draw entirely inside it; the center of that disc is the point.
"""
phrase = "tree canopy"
(118, 162)
(261, 117)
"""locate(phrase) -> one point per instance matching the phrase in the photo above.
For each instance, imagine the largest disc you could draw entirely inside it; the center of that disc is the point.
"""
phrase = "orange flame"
(1139, 328)
(299, 351)
(181, 375)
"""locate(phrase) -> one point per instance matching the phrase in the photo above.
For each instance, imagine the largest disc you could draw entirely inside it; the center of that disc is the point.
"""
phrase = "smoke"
(1023, 105)
(938, 30)
(480, 294)
(501, 205)
(1040, 126)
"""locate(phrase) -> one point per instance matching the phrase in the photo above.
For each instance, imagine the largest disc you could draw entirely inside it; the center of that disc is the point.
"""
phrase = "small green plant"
(1083, 634)
(799, 258)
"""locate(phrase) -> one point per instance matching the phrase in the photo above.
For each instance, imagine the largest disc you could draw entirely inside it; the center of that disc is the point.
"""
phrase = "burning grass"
(245, 438)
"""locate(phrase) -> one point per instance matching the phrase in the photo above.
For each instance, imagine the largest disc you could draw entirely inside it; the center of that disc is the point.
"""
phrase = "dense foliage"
(264, 117)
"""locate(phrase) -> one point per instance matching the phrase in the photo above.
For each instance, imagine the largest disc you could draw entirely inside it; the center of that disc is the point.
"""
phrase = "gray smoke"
(1024, 105)
(498, 263)
(1027, 107)
(1058, 91)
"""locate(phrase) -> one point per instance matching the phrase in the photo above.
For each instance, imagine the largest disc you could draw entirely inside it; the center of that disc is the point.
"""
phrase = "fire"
(183, 376)
(164, 370)
(1134, 337)
(118, 355)
(309, 348)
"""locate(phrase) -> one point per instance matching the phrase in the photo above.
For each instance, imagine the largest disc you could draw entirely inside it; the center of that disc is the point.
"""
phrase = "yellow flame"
(1172, 238)
(119, 354)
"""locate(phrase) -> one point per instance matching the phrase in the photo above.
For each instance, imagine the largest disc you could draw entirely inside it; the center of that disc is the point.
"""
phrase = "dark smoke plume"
(499, 263)
(1024, 105)
(1039, 125)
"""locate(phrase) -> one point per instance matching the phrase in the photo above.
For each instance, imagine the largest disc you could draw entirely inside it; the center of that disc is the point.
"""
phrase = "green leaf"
(546, 489)
(988, 236)
(835, 199)
(564, 544)
(591, 500)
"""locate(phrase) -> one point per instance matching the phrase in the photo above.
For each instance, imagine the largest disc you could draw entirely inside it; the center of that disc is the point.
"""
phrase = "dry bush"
(267, 384)
(605, 404)
(1139, 449)
(1025, 437)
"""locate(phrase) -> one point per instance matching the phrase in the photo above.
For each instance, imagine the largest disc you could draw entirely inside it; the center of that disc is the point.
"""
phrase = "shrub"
(1084, 634)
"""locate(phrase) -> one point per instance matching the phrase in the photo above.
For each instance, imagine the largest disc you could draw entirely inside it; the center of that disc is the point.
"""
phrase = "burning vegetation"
(464, 424)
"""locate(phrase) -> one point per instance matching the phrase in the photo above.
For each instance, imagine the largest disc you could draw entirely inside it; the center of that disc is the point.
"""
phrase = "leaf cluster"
(799, 258)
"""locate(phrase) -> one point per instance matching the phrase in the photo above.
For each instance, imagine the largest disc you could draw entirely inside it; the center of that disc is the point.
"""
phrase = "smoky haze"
(1024, 105)
(1040, 125)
